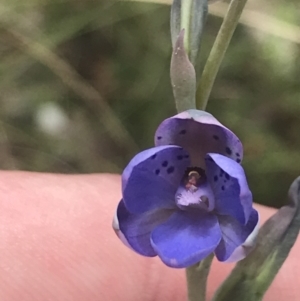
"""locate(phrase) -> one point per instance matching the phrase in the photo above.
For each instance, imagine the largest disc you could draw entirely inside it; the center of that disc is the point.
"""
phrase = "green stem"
(186, 12)
(218, 51)
(196, 277)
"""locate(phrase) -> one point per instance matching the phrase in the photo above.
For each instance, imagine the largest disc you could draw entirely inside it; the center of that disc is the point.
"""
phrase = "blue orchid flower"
(188, 196)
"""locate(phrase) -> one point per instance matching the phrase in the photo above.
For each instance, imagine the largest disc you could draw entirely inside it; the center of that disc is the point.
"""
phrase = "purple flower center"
(194, 191)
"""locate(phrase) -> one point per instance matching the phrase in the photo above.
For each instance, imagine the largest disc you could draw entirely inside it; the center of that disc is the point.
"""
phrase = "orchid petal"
(229, 184)
(199, 133)
(186, 238)
(134, 229)
(152, 177)
(237, 240)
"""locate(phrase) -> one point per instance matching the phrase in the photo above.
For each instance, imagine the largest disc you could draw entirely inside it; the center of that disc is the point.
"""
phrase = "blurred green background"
(84, 85)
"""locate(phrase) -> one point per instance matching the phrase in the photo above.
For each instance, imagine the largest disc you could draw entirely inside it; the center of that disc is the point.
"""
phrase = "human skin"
(56, 243)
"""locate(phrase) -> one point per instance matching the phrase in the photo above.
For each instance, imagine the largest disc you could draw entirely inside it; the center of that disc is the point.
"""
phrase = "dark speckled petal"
(229, 185)
(199, 133)
(151, 179)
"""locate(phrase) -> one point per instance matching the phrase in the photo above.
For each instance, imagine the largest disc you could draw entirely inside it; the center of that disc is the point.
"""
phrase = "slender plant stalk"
(196, 277)
(186, 13)
(218, 51)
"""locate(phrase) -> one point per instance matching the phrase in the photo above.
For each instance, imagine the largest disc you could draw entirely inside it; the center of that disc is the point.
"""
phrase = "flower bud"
(183, 76)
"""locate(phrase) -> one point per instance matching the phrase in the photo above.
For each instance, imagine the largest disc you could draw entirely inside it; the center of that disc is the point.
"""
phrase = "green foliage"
(251, 277)
(84, 85)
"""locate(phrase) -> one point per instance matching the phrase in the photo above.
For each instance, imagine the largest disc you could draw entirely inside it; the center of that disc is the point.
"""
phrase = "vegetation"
(84, 84)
